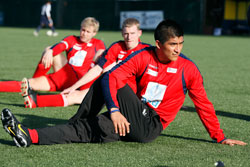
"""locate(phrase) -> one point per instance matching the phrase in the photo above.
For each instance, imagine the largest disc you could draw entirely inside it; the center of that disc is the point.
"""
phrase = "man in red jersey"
(117, 52)
(163, 76)
(81, 51)
(80, 54)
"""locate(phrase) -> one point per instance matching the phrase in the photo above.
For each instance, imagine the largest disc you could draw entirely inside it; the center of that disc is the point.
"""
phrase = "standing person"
(46, 20)
(117, 52)
(163, 76)
(81, 51)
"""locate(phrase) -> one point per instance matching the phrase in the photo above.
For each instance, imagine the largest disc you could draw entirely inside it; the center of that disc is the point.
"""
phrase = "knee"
(75, 97)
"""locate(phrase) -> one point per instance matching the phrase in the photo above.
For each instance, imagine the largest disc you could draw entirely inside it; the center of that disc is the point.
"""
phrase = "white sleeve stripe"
(65, 44)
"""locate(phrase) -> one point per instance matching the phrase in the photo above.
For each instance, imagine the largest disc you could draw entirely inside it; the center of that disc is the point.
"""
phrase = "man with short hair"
(117, 52)
(81, 52)
(163, 75)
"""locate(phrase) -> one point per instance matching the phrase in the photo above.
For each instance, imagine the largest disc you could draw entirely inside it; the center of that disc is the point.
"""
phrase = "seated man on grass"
(117, 52)
(162, 75)
(80, 51)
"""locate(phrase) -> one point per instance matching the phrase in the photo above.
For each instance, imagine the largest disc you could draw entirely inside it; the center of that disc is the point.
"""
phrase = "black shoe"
(17, 131)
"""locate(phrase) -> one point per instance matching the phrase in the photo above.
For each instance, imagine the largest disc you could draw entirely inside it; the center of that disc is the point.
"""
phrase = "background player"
(117, 52)
(83, 50)
(46, 20)
(163, 76)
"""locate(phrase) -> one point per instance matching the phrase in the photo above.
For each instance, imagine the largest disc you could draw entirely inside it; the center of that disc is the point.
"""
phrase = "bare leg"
(76, 97)
(39, 84)
(58, 62)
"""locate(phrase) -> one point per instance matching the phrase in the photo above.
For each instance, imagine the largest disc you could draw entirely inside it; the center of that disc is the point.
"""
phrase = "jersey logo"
(152, 66)
(144, 112)
(152, 72)
(89, 44)
(120, 56)
(171, 70)
(122, 52)
(78, 58)
(154, 94)
(77, 47)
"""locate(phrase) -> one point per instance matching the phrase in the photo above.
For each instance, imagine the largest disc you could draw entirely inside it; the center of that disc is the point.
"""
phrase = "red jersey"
(79, 54)
(163, 87)
(118, 52)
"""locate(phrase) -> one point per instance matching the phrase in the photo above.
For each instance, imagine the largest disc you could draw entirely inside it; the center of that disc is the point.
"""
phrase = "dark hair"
(167, 29)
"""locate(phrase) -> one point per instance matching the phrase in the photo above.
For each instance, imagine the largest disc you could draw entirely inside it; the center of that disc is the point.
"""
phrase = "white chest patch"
(89, 44)
(152, 72)
(154, 94)
(171, 70)
(77, 47)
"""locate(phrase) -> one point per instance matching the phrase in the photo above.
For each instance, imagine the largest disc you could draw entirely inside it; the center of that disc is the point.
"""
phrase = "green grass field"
(225, 65)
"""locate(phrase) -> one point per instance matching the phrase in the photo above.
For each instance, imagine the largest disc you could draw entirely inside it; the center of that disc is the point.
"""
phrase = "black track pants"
(89, 126)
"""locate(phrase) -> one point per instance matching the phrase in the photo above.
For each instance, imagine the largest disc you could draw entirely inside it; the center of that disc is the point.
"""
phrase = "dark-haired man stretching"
(163, 76)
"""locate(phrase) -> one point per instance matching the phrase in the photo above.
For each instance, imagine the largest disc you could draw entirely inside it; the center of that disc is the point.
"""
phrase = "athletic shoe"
(25, 87)
(17, 131)
(28, 94)
(35, 33)
(30, 100)
(49, 33)
(55, 34)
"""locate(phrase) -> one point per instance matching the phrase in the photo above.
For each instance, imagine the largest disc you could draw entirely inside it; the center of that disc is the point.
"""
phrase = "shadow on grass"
(34, 121)
(221, 113)
(7, 142)
(7, 80)
(11, 104)
(187, 138)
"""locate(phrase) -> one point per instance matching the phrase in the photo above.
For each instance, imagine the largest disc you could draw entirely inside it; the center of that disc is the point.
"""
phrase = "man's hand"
(47, 59)
(232, 142)
(68, 90)
(120, 123)
(50, 22)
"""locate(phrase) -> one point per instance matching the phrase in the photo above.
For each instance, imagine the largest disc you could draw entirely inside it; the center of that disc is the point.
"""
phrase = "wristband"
(114, 111)
(222, 140)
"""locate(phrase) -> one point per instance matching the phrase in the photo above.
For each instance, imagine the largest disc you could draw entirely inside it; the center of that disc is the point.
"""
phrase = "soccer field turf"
(224, 63)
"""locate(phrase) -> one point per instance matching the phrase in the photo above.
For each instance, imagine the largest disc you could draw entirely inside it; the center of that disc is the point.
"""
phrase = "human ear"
(157, 44)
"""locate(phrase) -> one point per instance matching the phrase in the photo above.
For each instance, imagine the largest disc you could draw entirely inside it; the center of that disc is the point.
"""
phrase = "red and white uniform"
(118, 52)
(163, 87)
(79, 54)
